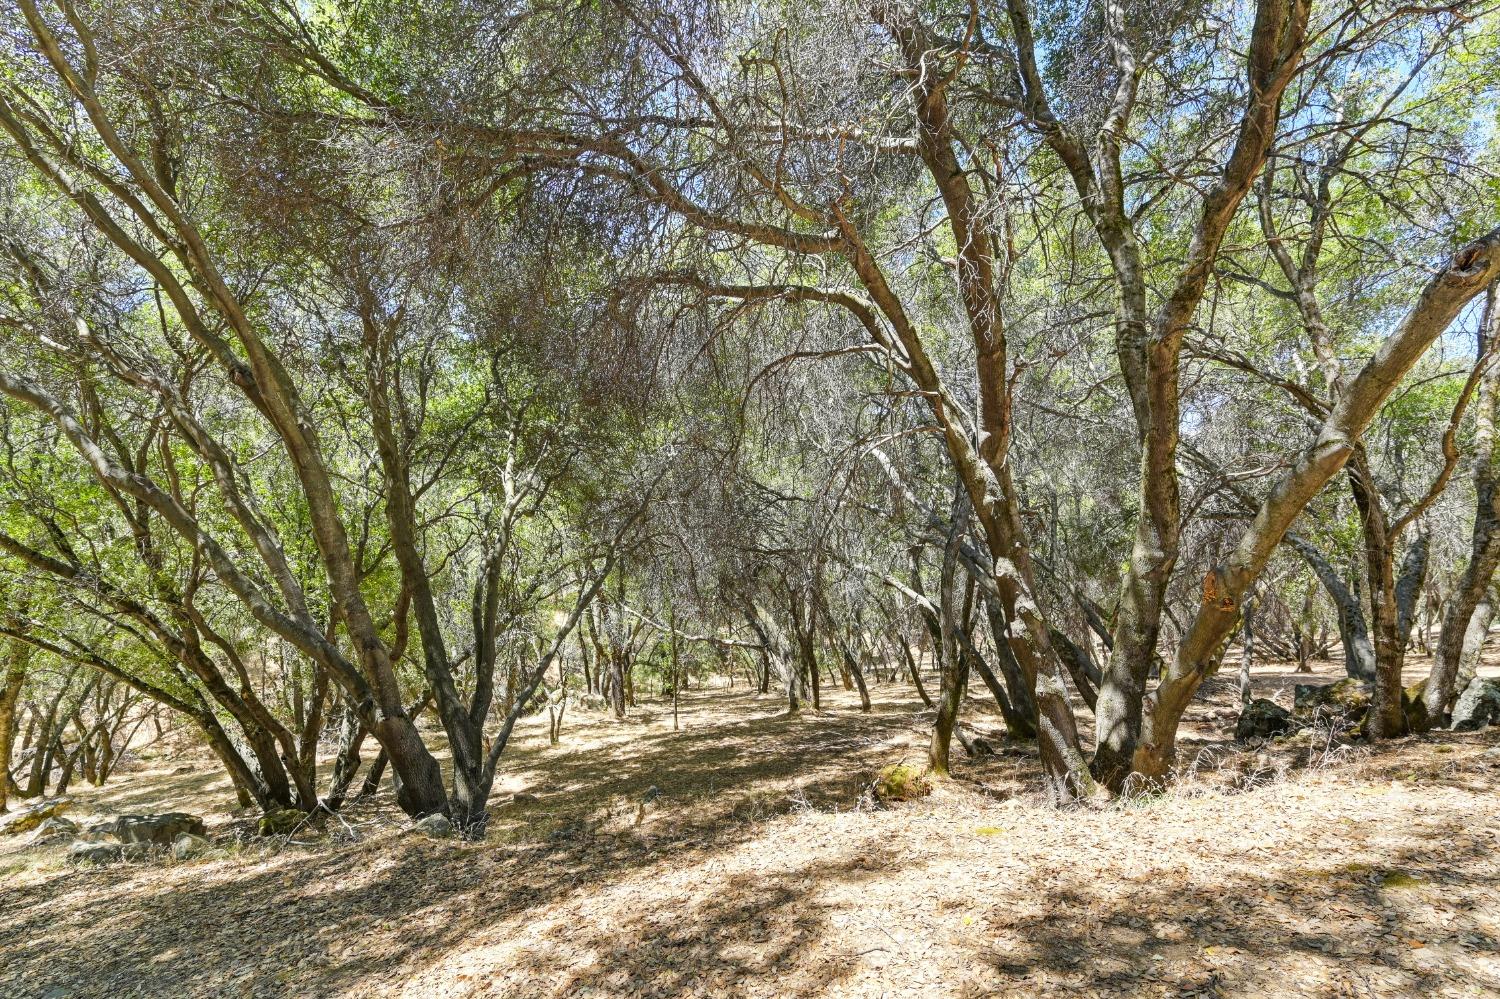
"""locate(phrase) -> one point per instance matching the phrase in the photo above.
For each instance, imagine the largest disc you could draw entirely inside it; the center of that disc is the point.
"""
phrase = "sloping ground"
(755, 873)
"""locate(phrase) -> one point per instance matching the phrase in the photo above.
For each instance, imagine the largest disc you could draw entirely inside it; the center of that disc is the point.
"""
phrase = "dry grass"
(1288, 870)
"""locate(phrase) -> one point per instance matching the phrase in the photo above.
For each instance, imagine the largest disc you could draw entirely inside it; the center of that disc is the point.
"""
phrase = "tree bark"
(953, 664)
(10, 695)
(1461, 613)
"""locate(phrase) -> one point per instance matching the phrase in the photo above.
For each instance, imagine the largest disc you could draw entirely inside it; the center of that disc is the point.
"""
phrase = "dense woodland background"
(368, 364)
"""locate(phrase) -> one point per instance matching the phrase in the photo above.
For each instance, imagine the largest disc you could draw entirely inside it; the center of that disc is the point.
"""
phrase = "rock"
(524, 798)
(1478, 706)
(1306, 738)
(54, 829)
(1263, 719)
(87, 852)
(901, 782)
(434, 826)
(155, 830)
(1345, 702)
(282, 822)
(187, 846)
(28, 819)
(1415, 708)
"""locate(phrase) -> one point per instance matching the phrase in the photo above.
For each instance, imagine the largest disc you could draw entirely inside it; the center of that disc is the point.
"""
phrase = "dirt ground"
(755, 872)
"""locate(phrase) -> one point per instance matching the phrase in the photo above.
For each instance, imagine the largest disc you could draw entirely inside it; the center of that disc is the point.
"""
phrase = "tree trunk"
(1016, 723)
(1354, 633)
(1247, 648)
(41, 763)
(1409, 582)
(1080, 667)
(1386, 720)
(617, 681)
(10, 696)
(346, 761)
(851, 668)
(1461, 611)
(953, 665)
(371, 783)
(916, 674)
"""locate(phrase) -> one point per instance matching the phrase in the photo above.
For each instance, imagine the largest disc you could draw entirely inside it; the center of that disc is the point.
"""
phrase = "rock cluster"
(153, 830)
(137, 836)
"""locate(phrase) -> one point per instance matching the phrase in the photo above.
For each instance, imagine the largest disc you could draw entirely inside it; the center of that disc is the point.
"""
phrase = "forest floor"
(756, 872)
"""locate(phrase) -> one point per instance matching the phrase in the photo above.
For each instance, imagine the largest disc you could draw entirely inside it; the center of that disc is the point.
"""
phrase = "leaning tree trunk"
(1474, 636)
(1018, 724)
(915, 671)
(1080, 668)
(852, 671)
(1461, 613)
(1354, 632)
(1024, 723)
(346, 760)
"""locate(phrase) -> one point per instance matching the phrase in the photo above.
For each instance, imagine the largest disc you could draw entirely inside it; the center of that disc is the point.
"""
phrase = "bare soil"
(755, 871)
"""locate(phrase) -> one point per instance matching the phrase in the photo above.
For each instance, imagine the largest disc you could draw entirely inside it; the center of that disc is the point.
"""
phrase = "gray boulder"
(1263, 719)
(435, 826)
(154, 830)
(187, 846)
(1478, 706)
(88, 852)
(28, 819)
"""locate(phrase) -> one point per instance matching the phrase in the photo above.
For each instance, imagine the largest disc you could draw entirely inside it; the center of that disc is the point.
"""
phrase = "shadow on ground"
(752, 875)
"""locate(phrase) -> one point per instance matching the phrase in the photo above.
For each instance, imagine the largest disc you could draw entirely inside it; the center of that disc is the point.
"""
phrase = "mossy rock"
(28, 819)
(1347, 701)
(902, 782)
(1415, 708)
(1400, 879)
(282, 822)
